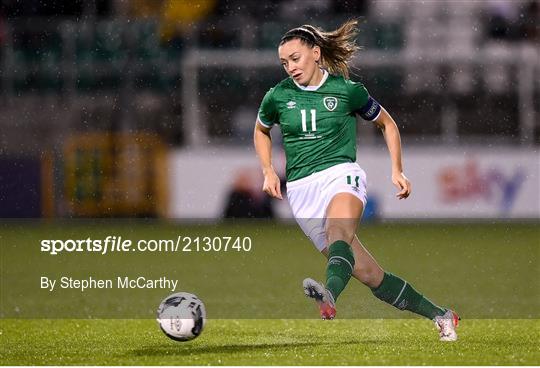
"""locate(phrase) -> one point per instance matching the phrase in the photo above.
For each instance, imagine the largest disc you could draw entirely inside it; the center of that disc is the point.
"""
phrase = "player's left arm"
(393, 140)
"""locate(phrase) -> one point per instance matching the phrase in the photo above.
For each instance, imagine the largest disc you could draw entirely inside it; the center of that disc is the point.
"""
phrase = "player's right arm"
(268, 116)
(263, 147)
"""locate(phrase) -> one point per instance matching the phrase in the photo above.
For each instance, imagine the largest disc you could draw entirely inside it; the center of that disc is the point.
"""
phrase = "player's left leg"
(399, 293)
(390, 288)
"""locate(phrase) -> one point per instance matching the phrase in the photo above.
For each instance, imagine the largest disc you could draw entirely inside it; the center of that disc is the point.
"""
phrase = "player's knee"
(335, 232)
(368, 276)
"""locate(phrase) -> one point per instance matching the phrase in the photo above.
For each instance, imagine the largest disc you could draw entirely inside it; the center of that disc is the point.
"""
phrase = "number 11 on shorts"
(356, 178)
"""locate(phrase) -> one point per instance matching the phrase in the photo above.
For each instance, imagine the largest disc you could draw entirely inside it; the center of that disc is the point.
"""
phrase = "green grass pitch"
(269, 342)
(490, 273)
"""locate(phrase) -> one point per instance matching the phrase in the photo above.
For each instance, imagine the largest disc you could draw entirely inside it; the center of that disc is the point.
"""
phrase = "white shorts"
(309, 197)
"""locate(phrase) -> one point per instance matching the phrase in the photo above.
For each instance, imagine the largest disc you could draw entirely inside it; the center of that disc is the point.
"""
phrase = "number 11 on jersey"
(304, 118)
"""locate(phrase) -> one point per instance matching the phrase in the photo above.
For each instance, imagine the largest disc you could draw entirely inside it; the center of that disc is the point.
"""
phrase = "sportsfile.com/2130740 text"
(118, 244)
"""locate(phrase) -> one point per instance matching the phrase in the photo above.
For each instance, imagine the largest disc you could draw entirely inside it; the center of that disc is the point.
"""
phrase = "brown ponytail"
(337, 47)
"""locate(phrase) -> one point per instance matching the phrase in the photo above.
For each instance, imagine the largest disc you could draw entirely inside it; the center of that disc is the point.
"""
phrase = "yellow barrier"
(115, 174)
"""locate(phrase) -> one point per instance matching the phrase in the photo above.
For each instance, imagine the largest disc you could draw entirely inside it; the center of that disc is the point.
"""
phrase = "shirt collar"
(313, 88)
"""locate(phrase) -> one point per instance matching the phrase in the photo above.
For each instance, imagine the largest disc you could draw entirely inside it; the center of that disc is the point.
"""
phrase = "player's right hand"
(272, 185)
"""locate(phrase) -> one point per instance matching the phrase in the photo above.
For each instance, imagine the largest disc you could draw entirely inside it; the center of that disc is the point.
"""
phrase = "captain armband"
(371, 110)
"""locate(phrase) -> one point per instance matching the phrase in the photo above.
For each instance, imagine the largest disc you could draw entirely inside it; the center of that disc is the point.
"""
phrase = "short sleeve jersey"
(318, 124)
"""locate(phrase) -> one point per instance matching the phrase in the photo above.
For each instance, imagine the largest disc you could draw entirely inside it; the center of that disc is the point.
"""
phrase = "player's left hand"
(402, 183)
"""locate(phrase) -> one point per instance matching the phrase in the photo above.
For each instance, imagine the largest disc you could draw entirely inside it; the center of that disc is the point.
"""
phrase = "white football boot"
(322, 296)
(446, 324)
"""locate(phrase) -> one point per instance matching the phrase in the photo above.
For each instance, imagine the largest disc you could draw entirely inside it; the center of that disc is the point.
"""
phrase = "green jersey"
(318, 123)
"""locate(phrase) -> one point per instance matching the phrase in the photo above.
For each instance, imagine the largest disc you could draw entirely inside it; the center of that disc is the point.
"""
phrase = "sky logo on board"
(471, 182)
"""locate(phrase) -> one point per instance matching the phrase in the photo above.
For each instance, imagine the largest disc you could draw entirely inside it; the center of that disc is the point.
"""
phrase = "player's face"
(300, 61)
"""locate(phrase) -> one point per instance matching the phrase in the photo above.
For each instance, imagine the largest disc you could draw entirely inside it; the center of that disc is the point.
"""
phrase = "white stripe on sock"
(401, 292)
(349, 263)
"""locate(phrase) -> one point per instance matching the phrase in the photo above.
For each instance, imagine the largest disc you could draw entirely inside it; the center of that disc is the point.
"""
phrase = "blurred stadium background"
(145, 108)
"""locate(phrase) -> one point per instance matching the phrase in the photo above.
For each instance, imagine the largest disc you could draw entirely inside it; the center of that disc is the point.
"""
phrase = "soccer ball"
(181, 316)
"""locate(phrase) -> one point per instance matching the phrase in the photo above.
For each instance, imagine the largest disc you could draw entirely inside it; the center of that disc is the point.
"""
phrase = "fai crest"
(330, 103)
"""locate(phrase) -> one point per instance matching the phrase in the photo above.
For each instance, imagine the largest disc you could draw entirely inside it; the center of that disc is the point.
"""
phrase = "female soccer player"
(316, 107)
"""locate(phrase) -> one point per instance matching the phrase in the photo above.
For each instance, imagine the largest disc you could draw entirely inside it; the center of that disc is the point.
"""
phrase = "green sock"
(339, 268)
(399, 293)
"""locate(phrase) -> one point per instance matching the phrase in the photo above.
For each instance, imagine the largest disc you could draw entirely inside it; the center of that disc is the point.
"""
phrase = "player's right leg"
(343, 195)
(342, 216)
(323, 297)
